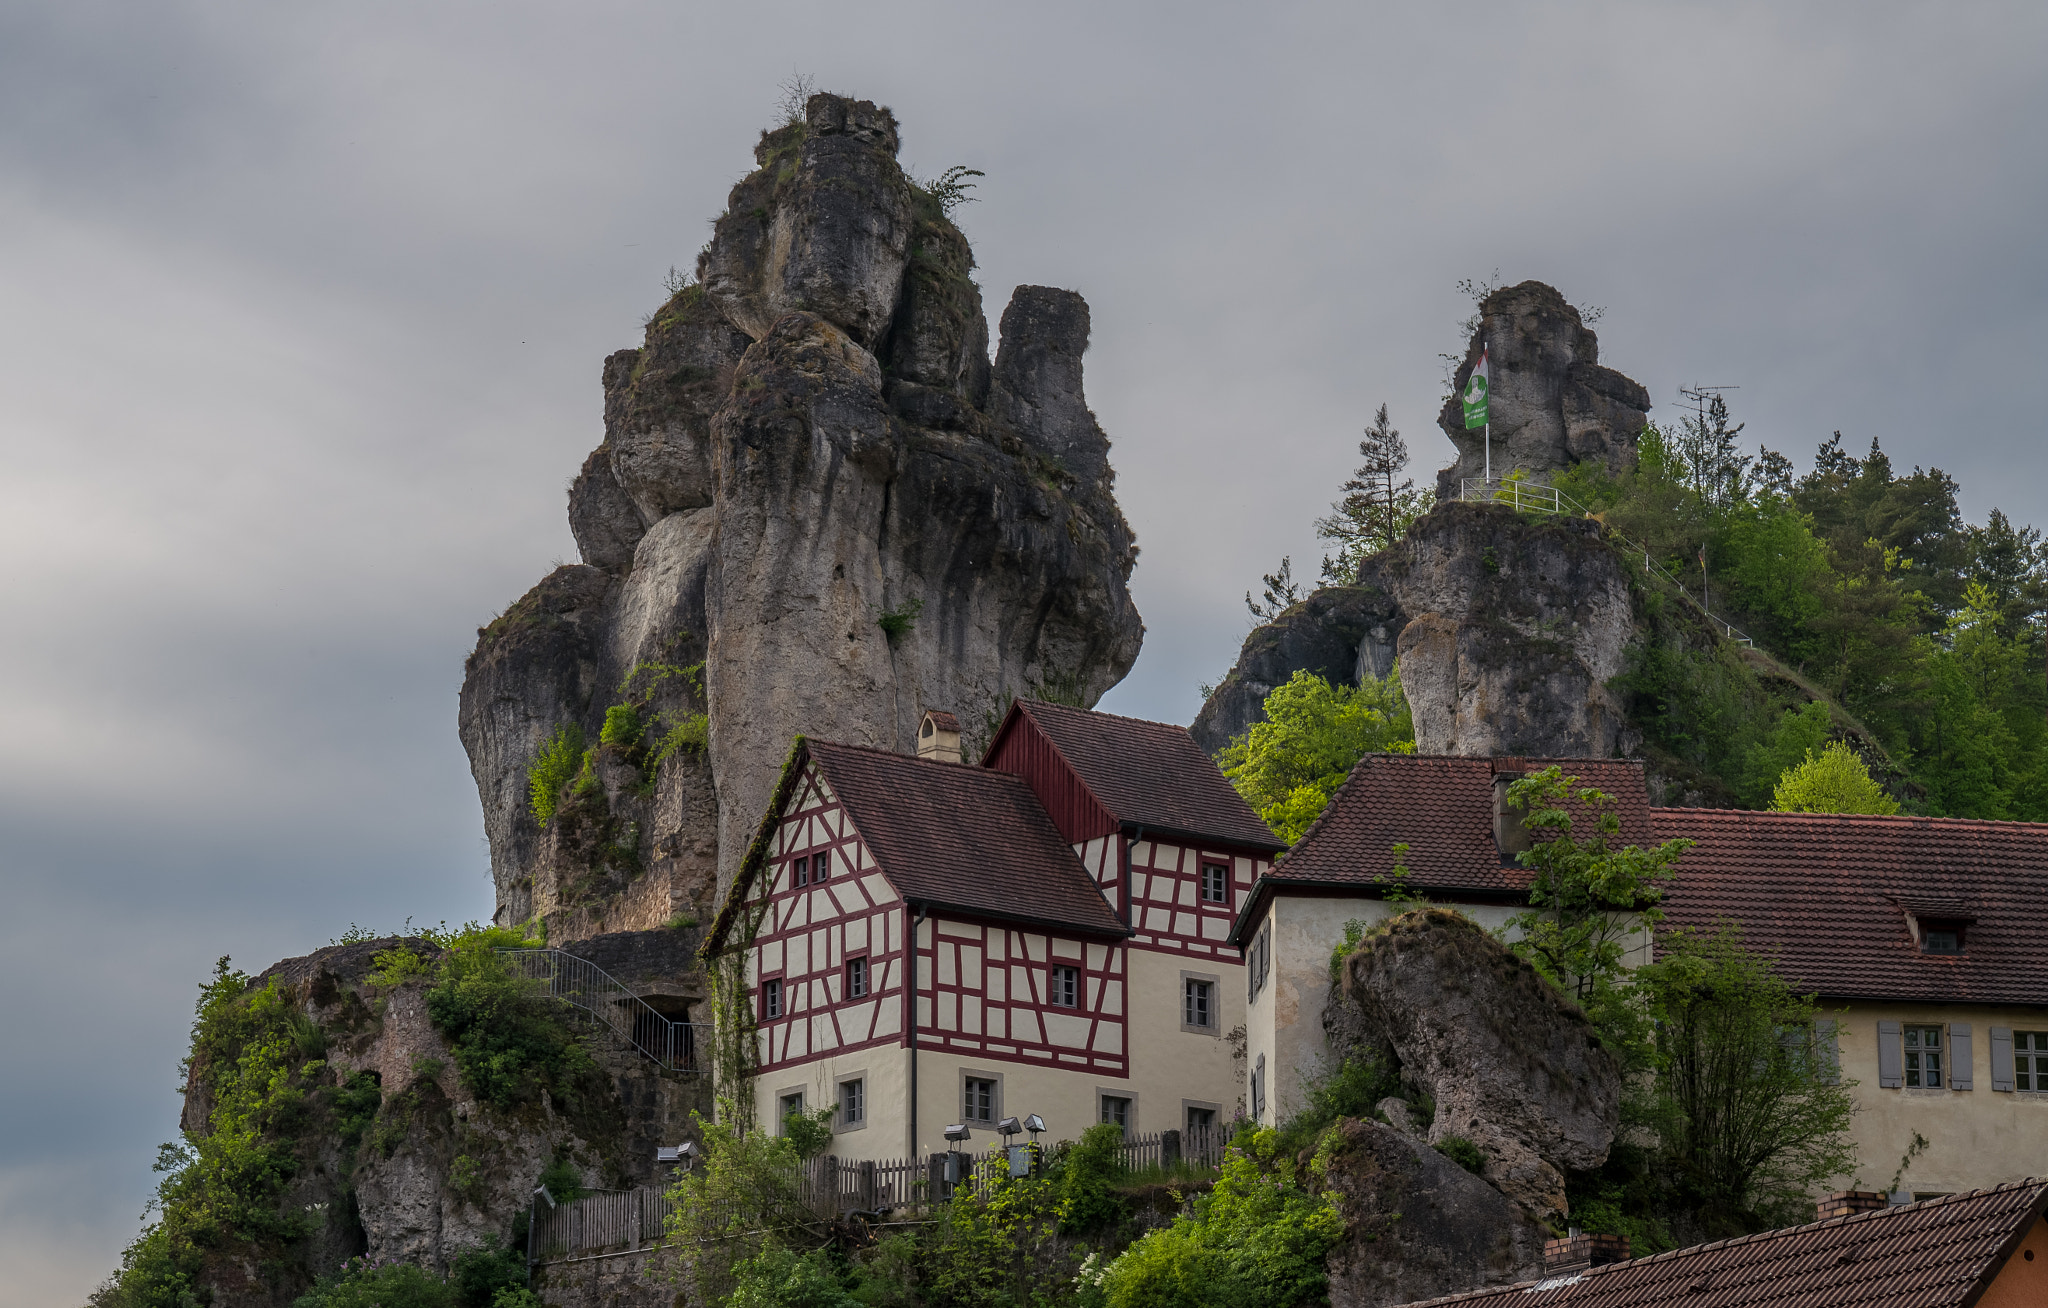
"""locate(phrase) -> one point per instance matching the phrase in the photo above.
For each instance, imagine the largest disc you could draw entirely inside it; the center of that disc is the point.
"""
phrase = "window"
(1200, 1120)
(771, 998)
(1215, 883)
(1923, 1056)
(802, 875)
(1197, 1008)
(1116, 1109)
(1066, 987)
(853, 1102)
(792, 1105)
(978, 1100)
(821, 865)
(1942, 940)
(856, 978)
(2030, 1060)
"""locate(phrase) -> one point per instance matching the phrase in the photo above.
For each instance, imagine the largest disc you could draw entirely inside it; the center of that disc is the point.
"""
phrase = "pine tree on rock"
(1376, 509)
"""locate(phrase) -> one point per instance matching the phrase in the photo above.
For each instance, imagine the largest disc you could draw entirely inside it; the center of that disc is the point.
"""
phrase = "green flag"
(1475, 394)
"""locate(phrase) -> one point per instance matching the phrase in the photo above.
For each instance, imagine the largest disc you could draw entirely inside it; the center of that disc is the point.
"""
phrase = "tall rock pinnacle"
(818, 509)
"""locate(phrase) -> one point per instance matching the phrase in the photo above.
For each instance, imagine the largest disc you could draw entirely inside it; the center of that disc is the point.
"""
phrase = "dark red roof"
(1152, 774)
(964, 838)
(1938, 1253)
(1827, 895)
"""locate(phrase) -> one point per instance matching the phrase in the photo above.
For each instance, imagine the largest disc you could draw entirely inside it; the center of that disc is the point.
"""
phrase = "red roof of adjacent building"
(1939, 1253)
(1441, 807)
(1151, 774)
(963, 838)
(1826, 894)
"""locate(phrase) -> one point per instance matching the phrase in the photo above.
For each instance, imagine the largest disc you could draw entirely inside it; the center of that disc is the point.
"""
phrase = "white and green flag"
(1475, 393)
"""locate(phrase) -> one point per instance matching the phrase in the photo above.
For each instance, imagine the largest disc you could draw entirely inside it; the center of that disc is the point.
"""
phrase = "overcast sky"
(302, 309)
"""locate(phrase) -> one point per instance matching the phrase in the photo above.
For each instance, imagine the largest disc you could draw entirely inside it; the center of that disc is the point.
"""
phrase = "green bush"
(1351, 1089)
(1832, 781)
(1462, 1152)
(1258, 1240)
(510, 1041)
(1289, 765)
(784, 1278)
(622, 727)
(1091, 1165)
(557, 764)
(693, 731)
(391, 1285)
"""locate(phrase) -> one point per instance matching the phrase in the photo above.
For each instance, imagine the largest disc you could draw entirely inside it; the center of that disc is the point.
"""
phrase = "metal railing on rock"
(1535, 497)
(585, 985)
(831, 1188)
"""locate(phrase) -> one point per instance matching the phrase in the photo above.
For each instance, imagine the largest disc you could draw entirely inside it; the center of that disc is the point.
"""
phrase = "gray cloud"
(302, 313)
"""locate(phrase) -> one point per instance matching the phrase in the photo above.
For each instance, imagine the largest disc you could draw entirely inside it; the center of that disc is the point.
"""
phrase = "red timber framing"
(992, 990)
(811, 932)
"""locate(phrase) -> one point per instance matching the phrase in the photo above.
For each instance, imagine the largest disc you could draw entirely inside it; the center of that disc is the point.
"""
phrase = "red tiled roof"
(1151, 773)
(1938, 1253)
(1826, 894)
(964, 838)
(1441, 807)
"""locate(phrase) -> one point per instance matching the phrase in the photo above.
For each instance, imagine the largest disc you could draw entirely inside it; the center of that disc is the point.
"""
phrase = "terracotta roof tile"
(1938, 1253)
(1442, 809)
(1827, 895)
(964, 838)
(1151, 773)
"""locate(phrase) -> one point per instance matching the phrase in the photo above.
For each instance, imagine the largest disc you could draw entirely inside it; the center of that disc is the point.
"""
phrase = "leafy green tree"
(1752, 1115)
(1258, 1240)
(778, 1277)
(1288, 766)
(1376, 509)
(1833, 781)
(744, 1199)
(1798, 734)
(1588, 900)
(510, 1040)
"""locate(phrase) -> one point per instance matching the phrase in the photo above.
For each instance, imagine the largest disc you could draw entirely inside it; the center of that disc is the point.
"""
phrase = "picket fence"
(833, 1188)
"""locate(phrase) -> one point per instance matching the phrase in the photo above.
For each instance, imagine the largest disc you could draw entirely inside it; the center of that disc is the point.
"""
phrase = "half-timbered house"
(931, 943)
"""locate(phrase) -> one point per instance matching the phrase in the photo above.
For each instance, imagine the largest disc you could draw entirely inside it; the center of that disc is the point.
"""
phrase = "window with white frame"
(853, 1102)
(856, 978)
(800, 874)
(771, 997)
(2030, 1060)
(1923, 1056)
(1215, 883)
(1065, 987)
(978, 1100)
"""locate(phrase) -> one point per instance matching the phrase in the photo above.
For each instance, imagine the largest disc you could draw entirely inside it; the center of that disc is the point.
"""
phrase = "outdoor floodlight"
(1009, 1126)
(541, 1192)
(956, 1132)
(1034, 1123)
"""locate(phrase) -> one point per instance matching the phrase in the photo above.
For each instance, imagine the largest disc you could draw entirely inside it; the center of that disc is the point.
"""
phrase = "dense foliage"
(481, 1278)
(1289, 765)
(510, 1041)
(1868, 586)
(1832, 781)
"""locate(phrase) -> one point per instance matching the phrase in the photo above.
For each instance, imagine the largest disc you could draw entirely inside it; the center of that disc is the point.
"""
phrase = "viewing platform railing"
(579, 982)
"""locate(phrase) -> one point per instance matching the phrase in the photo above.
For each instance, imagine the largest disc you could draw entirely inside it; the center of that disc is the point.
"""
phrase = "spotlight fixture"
(1034, 1124)
(1009, 1126)
(956, 1133)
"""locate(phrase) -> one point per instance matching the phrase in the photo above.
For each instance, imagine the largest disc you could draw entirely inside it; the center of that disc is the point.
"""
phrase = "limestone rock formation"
(1552, 405)
(1417, 1225)
(1507, 632)
(1447, 998)
(819, 508)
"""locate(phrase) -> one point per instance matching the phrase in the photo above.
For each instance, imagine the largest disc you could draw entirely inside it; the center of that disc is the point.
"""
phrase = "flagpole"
(1489, 418)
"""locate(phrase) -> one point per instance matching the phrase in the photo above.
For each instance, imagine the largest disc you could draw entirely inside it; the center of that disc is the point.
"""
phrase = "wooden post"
(1169, 1148)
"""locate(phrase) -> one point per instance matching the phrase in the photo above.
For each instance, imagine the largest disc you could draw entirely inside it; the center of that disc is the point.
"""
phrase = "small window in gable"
(801, 876)
(1066, 987)
(1215, 883)
(821, 865)
(771, 997)
(856, 978)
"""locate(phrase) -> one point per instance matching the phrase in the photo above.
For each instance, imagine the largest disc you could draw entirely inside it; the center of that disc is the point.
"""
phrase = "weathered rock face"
(436, 1172)
(1515, 629)
(818, 509)
(1512, 1066)
(1417, 1225)
(1552, 405)
(1507, 631)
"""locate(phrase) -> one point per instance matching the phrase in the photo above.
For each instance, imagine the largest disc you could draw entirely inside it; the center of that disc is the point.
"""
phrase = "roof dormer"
(938, 736)
(1938, 926)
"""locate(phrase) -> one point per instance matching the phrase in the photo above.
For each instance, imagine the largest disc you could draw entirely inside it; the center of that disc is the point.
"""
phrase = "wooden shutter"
(1959, 1053)
(1891, 1056)
(2001, 1058)
(1827, 1051)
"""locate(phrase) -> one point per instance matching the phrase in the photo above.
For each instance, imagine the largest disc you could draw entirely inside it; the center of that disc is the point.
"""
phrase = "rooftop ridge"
(1878, 819)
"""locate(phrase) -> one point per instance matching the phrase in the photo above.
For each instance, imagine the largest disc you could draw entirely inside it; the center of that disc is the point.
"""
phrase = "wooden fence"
(831, 1188)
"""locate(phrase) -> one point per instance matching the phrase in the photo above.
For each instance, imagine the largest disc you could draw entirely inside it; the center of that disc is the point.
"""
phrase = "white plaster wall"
(1976, 1138)
(1169, 1065)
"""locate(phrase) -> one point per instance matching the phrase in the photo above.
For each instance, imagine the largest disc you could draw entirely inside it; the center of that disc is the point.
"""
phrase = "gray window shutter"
(1827, 1051)
(1259, 1090)
(1959, 1064)
(2001, 1058)
(1891, 1056)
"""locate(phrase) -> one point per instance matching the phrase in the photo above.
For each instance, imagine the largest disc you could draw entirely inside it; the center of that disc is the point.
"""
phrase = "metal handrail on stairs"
(585, 985)
(1535, 497)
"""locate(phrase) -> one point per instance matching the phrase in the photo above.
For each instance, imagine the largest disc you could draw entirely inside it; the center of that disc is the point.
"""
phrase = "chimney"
(1847, 1203)
(1578, 1252)
(938, 736)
